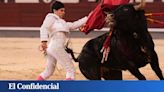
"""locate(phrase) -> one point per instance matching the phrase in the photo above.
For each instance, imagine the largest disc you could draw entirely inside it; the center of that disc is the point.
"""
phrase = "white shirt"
(53, 23)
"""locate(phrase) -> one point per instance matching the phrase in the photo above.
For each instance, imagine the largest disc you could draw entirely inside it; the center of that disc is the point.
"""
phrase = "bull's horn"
(141, 5)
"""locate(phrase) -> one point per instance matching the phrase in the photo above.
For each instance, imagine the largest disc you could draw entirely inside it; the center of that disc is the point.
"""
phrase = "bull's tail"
(70, 51)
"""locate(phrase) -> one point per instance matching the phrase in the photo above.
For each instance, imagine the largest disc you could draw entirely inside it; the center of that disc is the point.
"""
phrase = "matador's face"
(60, 12)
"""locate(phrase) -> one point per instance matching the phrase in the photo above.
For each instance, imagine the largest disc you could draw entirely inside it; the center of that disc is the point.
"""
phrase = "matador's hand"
(43, 46)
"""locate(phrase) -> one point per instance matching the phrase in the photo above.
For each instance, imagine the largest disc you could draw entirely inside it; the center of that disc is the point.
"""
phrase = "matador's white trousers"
(56, 53)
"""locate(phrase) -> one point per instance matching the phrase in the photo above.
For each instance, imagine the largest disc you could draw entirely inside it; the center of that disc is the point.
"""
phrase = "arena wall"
(14, 14)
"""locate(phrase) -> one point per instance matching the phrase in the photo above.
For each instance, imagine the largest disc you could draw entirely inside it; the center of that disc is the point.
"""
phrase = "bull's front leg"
(155, 65)
(135, 71)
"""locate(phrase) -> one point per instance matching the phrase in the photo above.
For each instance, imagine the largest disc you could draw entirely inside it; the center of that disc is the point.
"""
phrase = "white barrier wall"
(69, 1)
(46, 1)
(26, 1)
(148, 1)
(65, 1)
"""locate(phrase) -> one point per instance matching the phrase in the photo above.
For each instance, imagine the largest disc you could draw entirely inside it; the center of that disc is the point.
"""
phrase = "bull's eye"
(135, 35)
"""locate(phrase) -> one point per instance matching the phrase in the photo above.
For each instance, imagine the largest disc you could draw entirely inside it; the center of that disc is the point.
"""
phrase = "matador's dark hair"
(56, 5)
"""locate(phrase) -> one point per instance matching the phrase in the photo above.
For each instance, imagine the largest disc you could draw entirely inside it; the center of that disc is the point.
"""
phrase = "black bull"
(131, 46)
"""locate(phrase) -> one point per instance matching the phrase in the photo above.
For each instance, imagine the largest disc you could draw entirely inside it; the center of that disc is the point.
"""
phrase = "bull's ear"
(140, 6)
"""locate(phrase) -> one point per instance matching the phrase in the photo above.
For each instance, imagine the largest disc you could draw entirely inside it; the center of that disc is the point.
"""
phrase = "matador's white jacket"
(56, 29)
(54, 23)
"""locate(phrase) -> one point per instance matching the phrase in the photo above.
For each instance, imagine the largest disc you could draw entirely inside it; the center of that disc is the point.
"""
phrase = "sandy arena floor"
(20, 59)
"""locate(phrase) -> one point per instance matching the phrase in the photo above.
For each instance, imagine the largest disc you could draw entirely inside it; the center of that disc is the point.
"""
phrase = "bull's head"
(124, 16)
